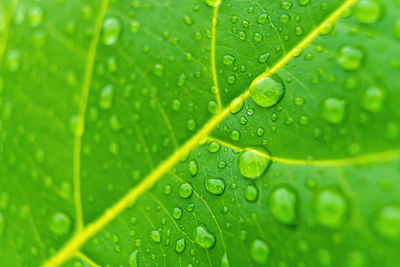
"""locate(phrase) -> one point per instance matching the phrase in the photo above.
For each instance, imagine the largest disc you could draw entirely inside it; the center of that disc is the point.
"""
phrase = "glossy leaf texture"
(199, 133)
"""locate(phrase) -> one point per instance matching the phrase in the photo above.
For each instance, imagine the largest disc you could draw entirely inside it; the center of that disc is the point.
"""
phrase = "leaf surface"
(127, 133)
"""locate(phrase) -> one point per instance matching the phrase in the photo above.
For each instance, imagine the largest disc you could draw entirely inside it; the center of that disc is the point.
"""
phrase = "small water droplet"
(185, 190)
(106, 97)
(387, 222)
(180, 245)
(372, 99)
(283, 205)
(251, 193)
(60, 223)
(259, 251)
(155, 236)
(349, 58)
(330, 208)
(214, 147)
(192, 167)
(134, 259)
(334, 110)
(112, 29)
(177, 213)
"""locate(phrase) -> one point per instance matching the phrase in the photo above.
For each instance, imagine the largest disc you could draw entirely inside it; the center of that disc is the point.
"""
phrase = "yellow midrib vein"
(213, 59)
(82, 111)
(91, 229)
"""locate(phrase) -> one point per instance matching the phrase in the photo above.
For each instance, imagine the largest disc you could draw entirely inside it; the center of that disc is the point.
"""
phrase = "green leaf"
(201, 132)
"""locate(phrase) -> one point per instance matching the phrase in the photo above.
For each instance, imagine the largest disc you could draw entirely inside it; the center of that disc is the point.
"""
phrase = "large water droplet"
(387, 222)
(267, 91)
(330, 208)
(204, 237)
(155, 236)
(349, 58)
(252, 163)
(367, 11)
(334, 110)
(259, 251)
(112, 29)
(60, 223)
(215, 186)
(283, 205)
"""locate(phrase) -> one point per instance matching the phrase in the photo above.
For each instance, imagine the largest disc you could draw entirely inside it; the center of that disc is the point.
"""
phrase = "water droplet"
(334, 110)
(35, 16)
(112, 29)
(252, 163)
(2, 224)
(158, 70)
(235, 135)
(155, 236)
(259, 251)
(177, 213)
(192, 167)
(106, 97)
(262, 18)
(215, 186)
(180, 245)
(13, 60)
(267, 91)
(349, 58)
(204, 237)
(251, 193)
(236, 105)
(214, 147)
(330, 208)
(304, 2)
(225, 261)
(387, 222)
(185, 190)
(367, 11)
(134, 259)
(372, 99)
(396, 29)
(228, 60)
(60, 223)
(212, 2)
(283, 205)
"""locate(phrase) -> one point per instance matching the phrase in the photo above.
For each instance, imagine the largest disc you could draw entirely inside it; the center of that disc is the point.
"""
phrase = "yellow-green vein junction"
(110, 214)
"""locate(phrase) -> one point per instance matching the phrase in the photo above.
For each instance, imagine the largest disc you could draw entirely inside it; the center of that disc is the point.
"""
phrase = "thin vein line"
(86, 259)
(110, 214)
(3, 41)
(357, 160)
(80, 128)
(213, 60)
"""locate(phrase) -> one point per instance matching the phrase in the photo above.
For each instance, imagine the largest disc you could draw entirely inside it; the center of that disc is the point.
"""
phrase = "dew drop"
(225, 261)
(259, 251)
(367, 11)
(283, 205)
(2, 224)
(214, 147)
(228, 60)
(252, 163)
(106, 97)
(60, 223)
(134, 259)
(212, 3)
(215, 186)
(251, 193)
(193, 167)
(112, 29)
(185, 190)
(177, 213)
(155, 236)
(349, 58)
(180, 245)
(330, 208)
(387, 222)
(267, 91)
(334, 110)
(372, 99)
(204, 237)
